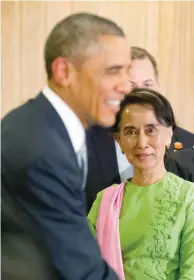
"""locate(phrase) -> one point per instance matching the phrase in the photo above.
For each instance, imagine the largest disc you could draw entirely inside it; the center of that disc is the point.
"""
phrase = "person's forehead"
(138, 112)
(109, 44)
(143, 65)
(109, 51)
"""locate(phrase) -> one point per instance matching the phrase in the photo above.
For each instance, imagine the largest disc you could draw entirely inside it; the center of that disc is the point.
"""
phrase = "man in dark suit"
(182, 136)
(107, 164)
(102, 159)
(44, 156)
(181, 162)
(23, 253)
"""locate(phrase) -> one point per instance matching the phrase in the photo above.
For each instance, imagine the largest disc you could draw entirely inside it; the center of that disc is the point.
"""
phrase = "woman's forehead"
(139, 113)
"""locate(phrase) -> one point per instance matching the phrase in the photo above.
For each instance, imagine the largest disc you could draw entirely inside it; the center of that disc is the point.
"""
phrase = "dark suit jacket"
(102, 162)
(181, 163)
(21, 244)
(183, 136)
(41, 171)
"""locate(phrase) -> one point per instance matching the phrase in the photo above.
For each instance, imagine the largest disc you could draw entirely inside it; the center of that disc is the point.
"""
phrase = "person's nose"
(142, 141)
(136, 85)
(124, 86)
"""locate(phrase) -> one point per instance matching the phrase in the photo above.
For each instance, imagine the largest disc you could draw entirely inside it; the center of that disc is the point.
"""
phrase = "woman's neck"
(148, 177)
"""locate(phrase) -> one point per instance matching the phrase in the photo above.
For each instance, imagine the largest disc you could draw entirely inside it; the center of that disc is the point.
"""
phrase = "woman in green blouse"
(156, 223)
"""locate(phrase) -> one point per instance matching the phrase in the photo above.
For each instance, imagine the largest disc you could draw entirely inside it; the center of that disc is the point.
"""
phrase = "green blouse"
(156, 229)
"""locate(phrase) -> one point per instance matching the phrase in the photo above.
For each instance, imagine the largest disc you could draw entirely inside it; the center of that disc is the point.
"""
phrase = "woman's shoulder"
(93, 213)
(185, 188)
(109, 189)
(178, 180)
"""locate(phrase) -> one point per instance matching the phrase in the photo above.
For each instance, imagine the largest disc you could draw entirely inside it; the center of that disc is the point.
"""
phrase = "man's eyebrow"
(118, 66)
(115, 67)
(148, 80)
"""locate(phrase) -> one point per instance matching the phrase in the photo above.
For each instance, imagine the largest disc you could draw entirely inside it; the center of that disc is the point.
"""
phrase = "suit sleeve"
(53, 197)
(187, 241)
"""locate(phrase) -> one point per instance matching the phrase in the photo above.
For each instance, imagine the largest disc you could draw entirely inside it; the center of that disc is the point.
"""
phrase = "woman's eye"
(130, 133)
(151, 131)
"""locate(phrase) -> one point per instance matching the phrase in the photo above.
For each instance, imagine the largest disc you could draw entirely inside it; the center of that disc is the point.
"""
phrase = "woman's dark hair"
(143, 96)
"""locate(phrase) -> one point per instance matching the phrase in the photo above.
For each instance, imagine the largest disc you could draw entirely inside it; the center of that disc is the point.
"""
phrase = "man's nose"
(136, 85)
(124, 85)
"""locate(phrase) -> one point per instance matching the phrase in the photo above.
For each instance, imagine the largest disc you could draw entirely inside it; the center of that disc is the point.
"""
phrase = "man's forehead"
(108, 44)
(111, 51)
(142, 64)
(142, 69)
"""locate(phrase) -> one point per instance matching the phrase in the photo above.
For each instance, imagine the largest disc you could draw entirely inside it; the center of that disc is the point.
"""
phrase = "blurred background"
(164, 28)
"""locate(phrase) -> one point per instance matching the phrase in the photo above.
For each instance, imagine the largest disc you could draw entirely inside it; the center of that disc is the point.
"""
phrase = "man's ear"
(61, 70)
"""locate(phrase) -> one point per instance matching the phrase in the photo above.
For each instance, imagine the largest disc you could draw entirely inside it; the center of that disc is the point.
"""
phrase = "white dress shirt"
(73, 125)
(125, 168)
(77, 136)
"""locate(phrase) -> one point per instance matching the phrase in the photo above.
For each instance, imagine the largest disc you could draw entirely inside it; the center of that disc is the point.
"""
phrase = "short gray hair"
(72, 36)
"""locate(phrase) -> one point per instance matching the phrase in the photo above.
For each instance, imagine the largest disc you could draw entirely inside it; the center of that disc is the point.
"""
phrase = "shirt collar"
(72, 123)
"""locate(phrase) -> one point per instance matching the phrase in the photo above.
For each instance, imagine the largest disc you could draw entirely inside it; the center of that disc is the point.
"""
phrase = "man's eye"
(133, 85)
(113, 71)
(148, 85)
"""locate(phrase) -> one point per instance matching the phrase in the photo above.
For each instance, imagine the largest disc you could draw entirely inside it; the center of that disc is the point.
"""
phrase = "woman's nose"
(142, 141)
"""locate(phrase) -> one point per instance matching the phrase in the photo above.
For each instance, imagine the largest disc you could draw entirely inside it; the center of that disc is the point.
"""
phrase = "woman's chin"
(144, 165)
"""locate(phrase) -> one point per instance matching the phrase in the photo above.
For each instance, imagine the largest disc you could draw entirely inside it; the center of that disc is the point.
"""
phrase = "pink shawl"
(107, 227)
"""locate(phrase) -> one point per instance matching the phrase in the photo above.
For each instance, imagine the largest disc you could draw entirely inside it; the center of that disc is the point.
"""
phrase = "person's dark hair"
(161, 106)
(140, 53)
(72, 36)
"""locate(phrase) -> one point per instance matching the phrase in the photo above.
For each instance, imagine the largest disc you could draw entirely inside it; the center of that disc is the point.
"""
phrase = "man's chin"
(104, 122)
(107, 122)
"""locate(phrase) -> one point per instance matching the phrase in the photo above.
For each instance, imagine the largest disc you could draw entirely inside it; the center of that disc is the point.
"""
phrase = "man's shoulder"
(181, 163)
(28, 133)
(183, 156)
(181, 132)
(182, 137)
(21, 119)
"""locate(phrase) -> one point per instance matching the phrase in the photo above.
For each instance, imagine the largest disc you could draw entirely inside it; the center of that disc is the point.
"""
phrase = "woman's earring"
(167, 147)
(122, 152)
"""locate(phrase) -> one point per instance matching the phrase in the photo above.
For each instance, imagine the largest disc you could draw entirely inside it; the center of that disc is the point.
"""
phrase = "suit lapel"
(104, 146)
(53, 119)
